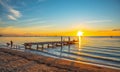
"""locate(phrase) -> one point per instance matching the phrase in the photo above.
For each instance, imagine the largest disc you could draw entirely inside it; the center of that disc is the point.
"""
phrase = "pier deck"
(49, 44)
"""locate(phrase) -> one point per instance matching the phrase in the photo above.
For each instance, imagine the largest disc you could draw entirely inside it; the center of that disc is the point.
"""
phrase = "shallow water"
(97, 50)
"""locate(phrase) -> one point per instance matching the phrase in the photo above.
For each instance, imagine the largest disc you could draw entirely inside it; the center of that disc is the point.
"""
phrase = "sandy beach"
(17, 61)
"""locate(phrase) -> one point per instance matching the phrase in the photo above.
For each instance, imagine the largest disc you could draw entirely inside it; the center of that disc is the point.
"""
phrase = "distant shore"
(17, 61)
(35, 36)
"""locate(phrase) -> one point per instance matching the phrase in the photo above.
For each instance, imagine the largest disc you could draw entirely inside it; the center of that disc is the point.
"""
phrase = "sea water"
(96, 50)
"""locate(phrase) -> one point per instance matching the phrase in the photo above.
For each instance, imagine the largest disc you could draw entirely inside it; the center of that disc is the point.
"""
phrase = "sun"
(80, 33)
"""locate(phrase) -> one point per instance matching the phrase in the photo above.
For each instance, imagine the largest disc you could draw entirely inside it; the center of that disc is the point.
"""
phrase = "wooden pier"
(42, 45)
(50, 44)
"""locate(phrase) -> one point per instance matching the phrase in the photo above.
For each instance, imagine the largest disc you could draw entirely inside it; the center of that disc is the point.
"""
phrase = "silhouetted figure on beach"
(8, 44)
(111, 36)
(11, 43)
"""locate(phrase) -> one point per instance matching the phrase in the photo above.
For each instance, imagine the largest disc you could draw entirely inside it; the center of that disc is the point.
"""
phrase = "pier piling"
(51, 44)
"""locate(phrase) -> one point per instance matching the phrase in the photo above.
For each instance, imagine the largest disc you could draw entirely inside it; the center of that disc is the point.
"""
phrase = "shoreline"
(99, 65)
(49, 63)
(84, 62)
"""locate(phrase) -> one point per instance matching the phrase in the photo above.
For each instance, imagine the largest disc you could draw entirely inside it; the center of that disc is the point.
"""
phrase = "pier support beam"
(48, 45)
(27, 46)
(37, 46)
(61, 40)
(53, 45)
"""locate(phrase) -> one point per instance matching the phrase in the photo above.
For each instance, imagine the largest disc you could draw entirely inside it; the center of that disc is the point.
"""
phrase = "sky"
(59, 17)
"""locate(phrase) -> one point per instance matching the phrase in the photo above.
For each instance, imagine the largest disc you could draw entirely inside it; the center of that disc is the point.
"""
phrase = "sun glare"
(80, 33)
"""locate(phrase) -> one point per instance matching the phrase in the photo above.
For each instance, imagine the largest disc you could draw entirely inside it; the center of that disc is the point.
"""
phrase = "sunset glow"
(80, 33)
(59, 18)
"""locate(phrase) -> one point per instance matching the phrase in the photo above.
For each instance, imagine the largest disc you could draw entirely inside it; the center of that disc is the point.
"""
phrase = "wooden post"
(30, 46)
(42, 47)
(37, 46)
(25, 46)
(52, 45)
(61, 40)
(48, 45)
(69, 38)
(69, 48)
(57, 44)
(61, 46)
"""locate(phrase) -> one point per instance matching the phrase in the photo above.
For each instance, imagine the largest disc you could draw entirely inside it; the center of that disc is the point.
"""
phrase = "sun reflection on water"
(79, 43)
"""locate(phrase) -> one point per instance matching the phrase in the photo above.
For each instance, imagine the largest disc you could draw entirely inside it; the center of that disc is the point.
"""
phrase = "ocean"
(99, 50)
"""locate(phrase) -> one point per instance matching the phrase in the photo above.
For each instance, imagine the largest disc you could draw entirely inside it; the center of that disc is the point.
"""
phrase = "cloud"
(1, 22)
(116, 30)
(14, 14)
(98, 21)
(109, 30)
(11, 17)
(31, 21)
(22, 30)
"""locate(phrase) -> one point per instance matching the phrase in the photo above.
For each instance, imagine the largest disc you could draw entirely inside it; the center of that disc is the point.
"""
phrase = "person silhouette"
(11, 43)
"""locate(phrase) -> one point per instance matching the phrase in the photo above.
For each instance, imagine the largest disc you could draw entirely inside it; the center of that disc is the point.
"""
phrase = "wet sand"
(17, 61)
